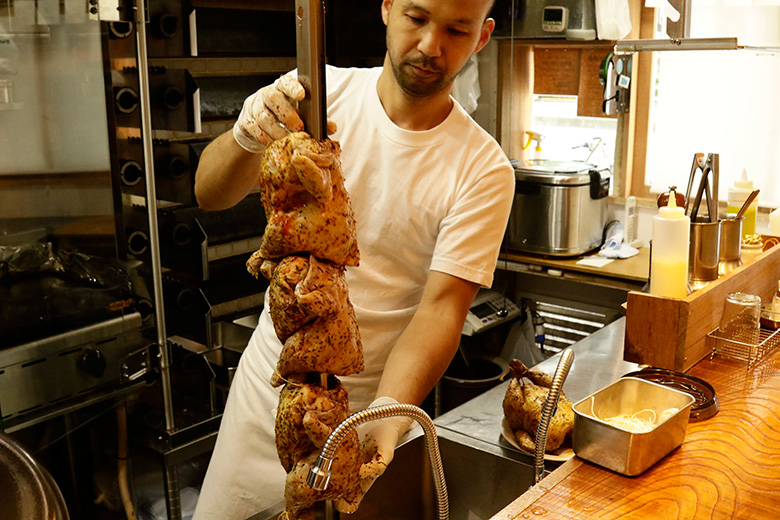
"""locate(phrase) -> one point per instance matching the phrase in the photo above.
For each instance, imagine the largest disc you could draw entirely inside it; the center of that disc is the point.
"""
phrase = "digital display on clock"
(553, 15)
(555, 19)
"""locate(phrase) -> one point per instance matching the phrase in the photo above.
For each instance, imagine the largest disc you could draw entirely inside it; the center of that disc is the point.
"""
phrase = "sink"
(481, 478)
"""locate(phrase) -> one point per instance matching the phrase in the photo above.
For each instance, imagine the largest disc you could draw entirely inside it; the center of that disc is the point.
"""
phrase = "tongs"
(708, 186)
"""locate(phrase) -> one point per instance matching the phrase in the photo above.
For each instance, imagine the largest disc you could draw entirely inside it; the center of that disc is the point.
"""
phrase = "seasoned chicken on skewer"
(306, 204)
(523, 408)
(313, 317)
(307, 414)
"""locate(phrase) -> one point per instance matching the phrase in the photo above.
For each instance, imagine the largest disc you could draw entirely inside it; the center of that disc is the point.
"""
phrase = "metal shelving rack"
(156, 132)
(165, 46)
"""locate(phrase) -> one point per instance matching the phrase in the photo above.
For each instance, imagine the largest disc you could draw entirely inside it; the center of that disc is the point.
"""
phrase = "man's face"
(429, 41)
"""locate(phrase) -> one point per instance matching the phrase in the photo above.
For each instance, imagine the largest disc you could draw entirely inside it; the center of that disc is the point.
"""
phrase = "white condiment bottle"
(738, 194)
(774, 223)
(669, 251)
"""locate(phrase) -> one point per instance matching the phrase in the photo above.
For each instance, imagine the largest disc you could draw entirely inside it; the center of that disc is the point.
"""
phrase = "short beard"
(415, 88)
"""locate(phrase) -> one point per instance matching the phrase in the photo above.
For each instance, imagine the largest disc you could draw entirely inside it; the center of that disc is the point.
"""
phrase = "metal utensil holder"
(751, 353)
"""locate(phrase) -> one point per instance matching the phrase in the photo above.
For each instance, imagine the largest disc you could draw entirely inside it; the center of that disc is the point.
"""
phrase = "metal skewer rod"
(310, 38)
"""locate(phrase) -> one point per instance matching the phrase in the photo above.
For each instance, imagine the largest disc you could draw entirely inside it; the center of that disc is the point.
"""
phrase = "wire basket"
(744, 349)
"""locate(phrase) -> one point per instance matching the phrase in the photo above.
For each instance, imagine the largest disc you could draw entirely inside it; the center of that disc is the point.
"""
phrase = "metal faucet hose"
(319, 474)
(549, 407)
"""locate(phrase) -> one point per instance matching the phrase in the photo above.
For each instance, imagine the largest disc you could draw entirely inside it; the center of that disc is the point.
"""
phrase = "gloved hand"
(378, 441)
(269, 114)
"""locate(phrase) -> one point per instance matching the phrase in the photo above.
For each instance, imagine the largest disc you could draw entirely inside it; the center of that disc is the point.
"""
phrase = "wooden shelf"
(672, 333)
(635, 269)
(224, 66)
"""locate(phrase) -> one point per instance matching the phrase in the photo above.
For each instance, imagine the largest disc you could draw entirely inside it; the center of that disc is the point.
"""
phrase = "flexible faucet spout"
(549, 408)
(319, 473)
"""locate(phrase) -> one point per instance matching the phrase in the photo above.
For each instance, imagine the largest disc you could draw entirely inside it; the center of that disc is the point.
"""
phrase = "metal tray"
(620, 450)
(706, 401)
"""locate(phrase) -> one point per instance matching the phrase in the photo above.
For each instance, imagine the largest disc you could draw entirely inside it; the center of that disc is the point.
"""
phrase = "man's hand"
(269, 114)
(378, 441)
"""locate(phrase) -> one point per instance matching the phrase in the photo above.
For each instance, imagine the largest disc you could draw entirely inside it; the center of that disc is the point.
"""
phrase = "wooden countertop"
(636, 268)
(727, 467)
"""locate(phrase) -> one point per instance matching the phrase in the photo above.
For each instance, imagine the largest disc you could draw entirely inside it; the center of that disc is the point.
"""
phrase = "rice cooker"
(560, 208)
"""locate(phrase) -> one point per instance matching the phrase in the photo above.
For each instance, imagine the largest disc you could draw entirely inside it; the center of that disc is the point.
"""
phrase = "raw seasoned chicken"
(306, 204)
(313, 317)
(523, 408)
(308, 240)
(307, 414)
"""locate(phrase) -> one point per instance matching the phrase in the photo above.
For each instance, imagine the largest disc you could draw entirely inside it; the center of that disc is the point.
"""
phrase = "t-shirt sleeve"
(470, 235)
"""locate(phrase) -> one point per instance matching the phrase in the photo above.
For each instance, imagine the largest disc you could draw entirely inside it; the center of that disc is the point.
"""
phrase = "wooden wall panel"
(557, 71)
(590, 90)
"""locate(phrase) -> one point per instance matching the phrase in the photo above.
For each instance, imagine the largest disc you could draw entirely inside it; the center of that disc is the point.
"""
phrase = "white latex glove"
(269, 114)
(378, 441)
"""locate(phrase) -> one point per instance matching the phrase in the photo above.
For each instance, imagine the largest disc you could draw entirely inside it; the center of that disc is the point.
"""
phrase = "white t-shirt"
(432, 200)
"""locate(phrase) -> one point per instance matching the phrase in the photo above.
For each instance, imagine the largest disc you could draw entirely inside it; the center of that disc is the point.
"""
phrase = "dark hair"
(490, 9)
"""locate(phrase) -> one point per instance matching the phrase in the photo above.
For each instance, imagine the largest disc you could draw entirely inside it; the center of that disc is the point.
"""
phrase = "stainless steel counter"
(598, 361)
(476, 424)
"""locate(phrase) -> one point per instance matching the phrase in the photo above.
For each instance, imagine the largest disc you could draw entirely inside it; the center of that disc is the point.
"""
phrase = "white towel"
(613, 246)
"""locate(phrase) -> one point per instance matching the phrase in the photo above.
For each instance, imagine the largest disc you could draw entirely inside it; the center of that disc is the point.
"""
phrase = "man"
(431, 193)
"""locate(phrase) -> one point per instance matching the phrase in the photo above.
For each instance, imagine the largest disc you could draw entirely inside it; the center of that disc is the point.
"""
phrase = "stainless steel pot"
(560, 208)
(27, 490)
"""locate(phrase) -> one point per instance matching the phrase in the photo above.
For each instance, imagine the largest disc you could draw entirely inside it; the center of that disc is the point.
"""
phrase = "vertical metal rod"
(72, 462)
(151, 208)
(173, 497)
(310, 39)
(714, 163)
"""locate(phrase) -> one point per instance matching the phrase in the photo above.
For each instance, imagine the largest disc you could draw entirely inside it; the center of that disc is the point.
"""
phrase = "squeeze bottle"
(774, 223)
(669, 251)
(737, 196)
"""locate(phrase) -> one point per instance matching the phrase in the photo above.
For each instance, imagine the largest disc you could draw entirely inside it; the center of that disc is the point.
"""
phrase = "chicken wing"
(306, 204)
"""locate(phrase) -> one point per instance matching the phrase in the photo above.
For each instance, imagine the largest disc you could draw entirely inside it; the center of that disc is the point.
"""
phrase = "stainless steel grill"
(49, 372)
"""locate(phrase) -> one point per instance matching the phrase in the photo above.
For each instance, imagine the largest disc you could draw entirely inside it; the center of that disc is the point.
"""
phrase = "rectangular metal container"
(618, 449)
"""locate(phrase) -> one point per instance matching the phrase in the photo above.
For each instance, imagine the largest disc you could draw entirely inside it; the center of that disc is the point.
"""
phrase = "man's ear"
(386, 6)
(486, 31)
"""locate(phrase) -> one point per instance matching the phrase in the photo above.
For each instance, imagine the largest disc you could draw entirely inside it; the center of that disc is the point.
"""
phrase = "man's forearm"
(425, 349)
(226, 173)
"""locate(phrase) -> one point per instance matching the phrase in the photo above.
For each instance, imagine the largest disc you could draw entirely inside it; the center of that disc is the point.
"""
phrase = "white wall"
(56, 123)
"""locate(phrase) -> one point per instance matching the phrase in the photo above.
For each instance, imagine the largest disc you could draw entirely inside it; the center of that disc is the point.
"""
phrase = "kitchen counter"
(727, 467)
(562, 281)
(477, 423)
(634, 269)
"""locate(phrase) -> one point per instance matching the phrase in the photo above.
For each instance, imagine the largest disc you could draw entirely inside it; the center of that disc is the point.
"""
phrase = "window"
(723, 102)
(573, 137)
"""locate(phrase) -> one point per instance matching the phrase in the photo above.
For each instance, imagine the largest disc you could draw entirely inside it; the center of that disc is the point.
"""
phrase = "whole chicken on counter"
(523, 402)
